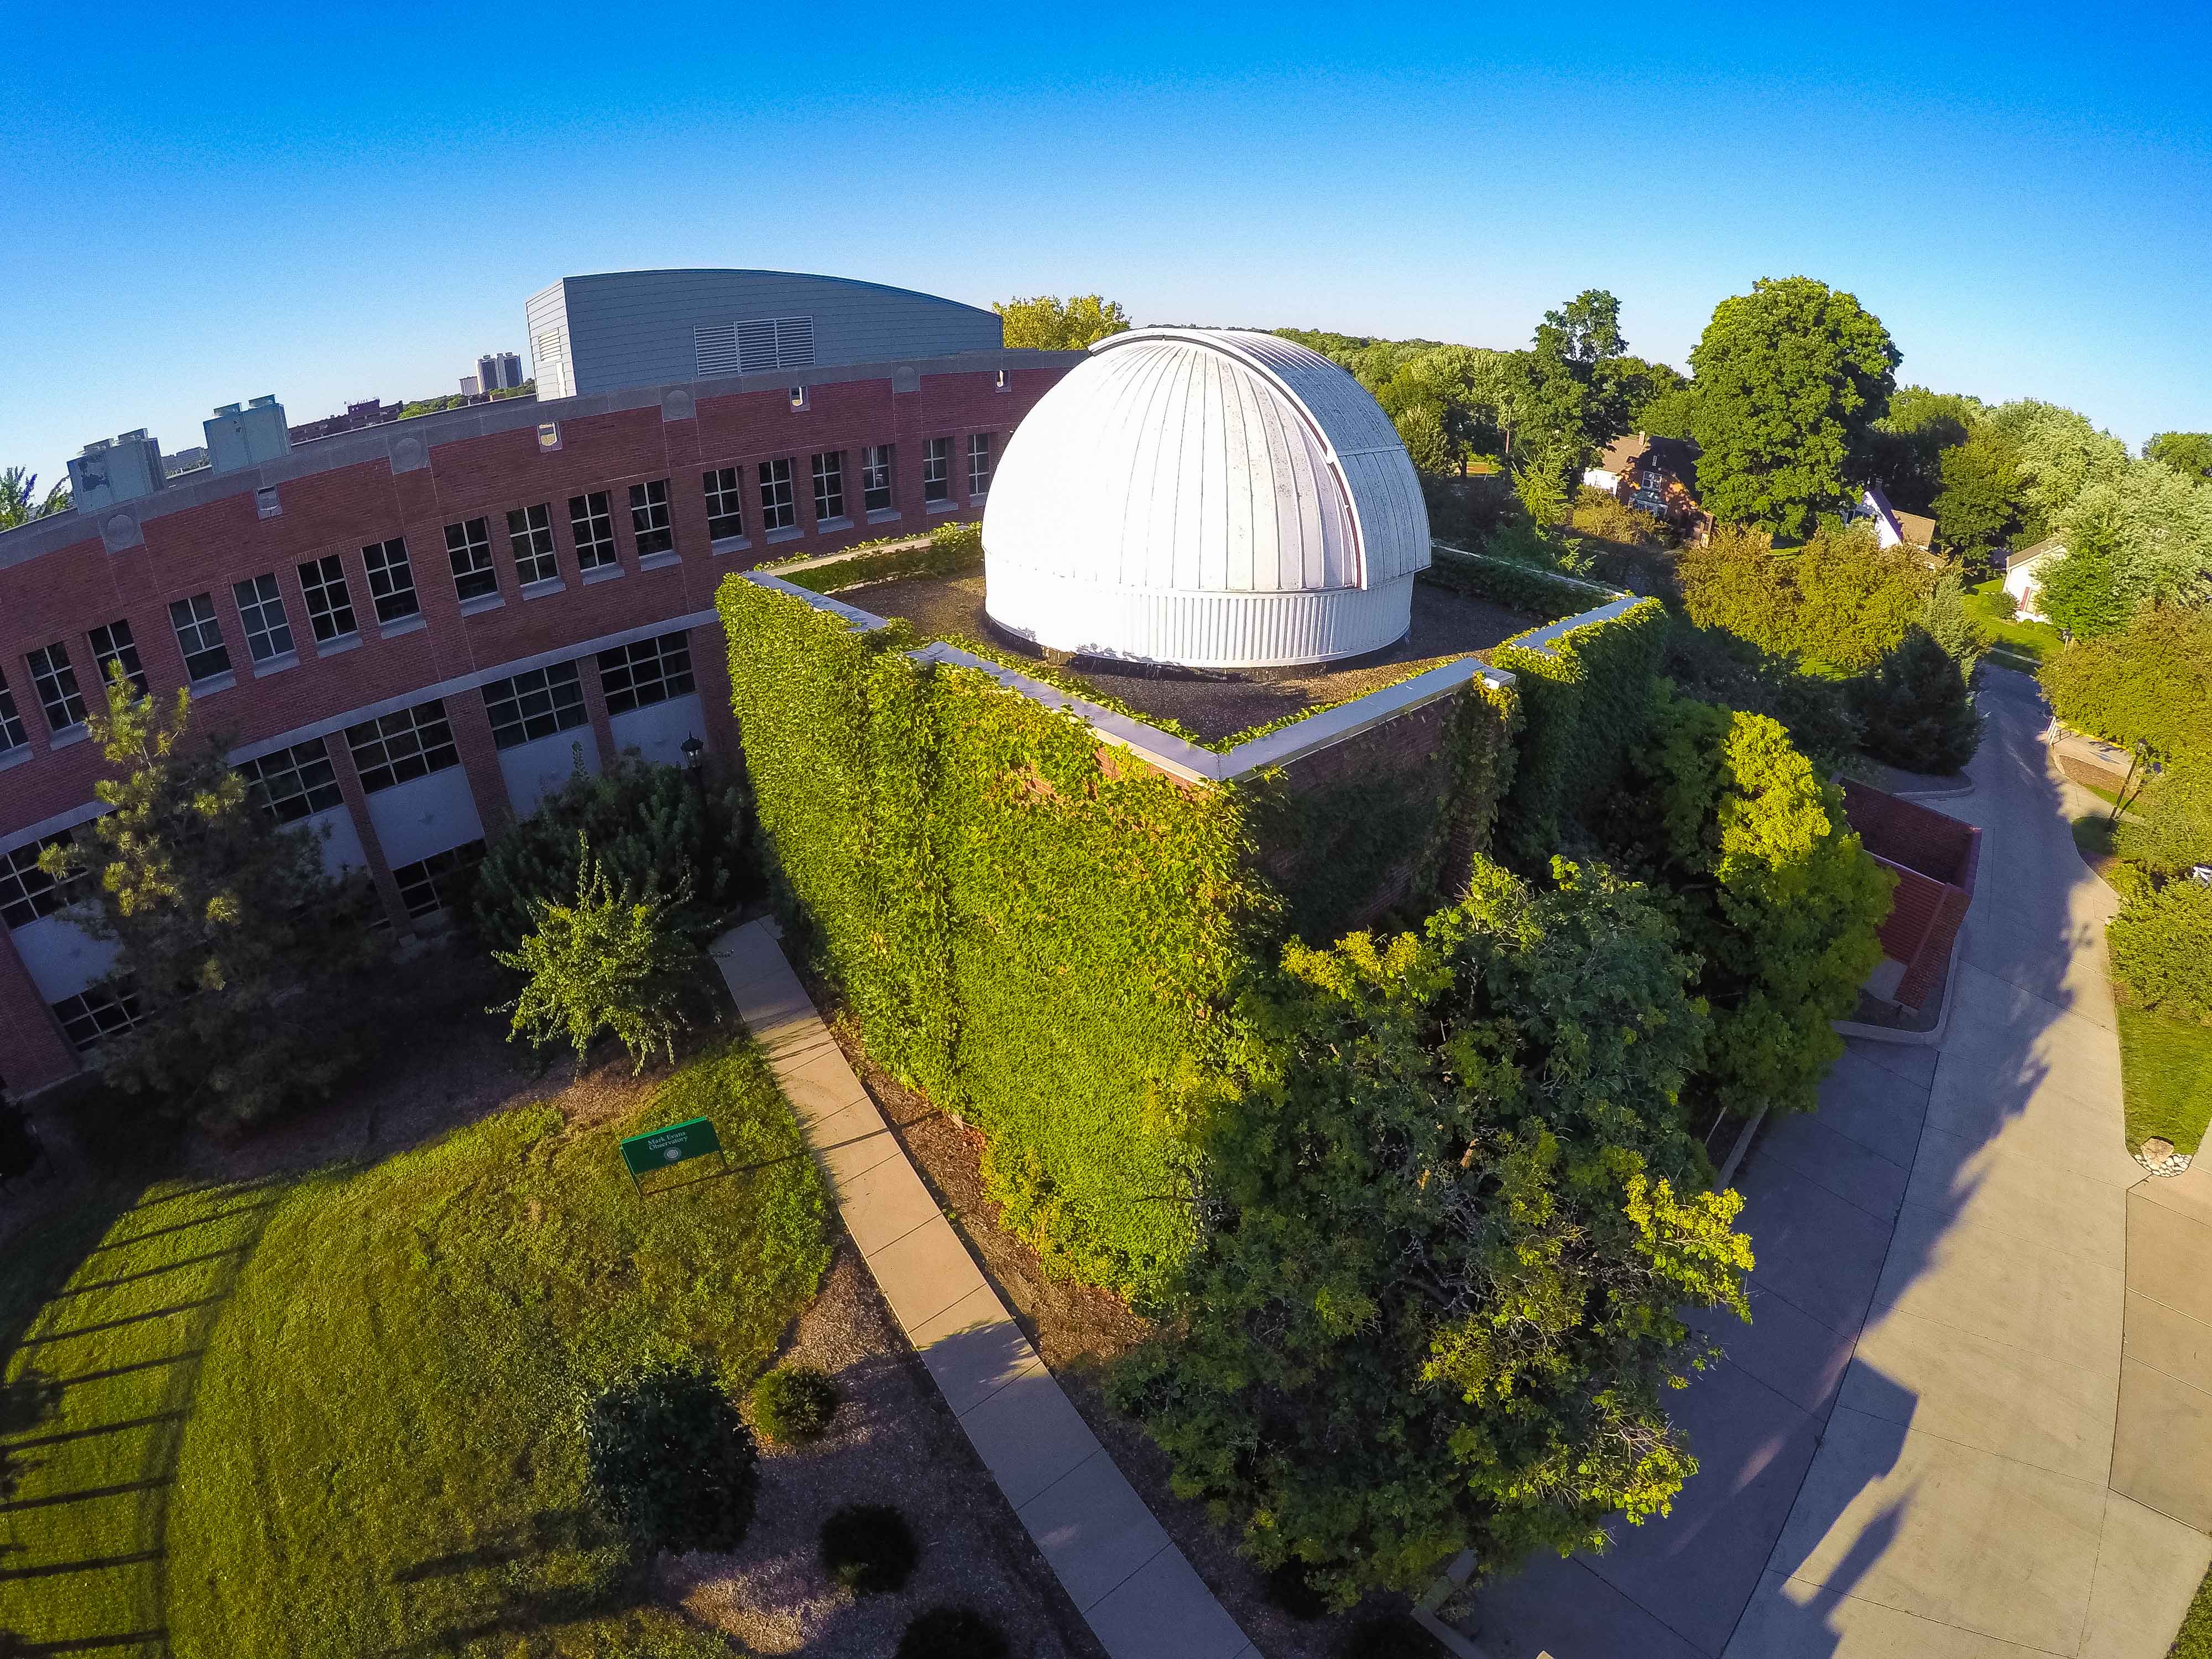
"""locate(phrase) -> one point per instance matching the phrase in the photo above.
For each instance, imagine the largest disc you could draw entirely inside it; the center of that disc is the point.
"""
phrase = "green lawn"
(2195, 1639)
(2012, 644)
(378, 1448)
(2166, 1077)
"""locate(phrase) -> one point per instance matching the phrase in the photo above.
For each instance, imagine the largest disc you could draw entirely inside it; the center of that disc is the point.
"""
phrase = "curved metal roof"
(1182, 473)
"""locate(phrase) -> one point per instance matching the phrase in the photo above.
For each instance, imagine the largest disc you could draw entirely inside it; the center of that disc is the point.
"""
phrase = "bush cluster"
(794, 1404)
(2162, 950)
(869, 1548)
(952, 1633)
(671, 1460)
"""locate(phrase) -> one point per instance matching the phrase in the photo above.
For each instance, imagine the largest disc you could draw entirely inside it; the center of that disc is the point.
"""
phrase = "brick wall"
(205, 548)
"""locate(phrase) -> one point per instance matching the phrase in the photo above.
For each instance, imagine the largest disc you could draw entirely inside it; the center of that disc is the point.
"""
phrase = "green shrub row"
(1042, 933)
(1525, 587)
(953, 549)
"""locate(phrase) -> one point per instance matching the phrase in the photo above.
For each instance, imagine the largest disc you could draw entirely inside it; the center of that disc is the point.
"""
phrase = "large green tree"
(1977, 500)
(1452, 1222)
(2151, 682)
(2059, 454)
(21, 503)
(2186, 452)
(1790, 377)
(1918, 709)
(1045, 322)
(1906, 446)
(255, 974)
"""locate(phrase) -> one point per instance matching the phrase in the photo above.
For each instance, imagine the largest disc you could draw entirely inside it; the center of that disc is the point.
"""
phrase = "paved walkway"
(1912, 1450)
(1133, 1586)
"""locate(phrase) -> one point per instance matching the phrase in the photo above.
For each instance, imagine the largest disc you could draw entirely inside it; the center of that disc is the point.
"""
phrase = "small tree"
(672, 1461)
(2171, 832)
(2079, 592)
(1452, 1222)
(613, 960)
(2161, 950)
(1917, 708)
(252, 970)
(1048, 322)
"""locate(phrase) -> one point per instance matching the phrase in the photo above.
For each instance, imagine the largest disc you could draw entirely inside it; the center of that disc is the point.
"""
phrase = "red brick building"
(407, 633)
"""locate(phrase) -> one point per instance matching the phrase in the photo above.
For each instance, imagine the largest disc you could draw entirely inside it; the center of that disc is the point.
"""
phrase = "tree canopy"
(1045, 322)
(2188, 452)
(1456, 1220)
(21, 503)
(1789, 378)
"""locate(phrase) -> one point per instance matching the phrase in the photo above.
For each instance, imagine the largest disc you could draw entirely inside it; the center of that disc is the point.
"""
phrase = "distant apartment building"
(410, 630)
(496, 371)
(369, 411)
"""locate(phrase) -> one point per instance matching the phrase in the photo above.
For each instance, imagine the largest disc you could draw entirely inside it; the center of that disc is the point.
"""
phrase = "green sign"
(657, 1149)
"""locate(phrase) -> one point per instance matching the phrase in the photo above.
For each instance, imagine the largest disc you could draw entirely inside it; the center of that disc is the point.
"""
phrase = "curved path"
(1911, 1450)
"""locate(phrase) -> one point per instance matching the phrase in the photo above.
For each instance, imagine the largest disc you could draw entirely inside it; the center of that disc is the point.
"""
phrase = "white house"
(2020, 579)
(1891, 527)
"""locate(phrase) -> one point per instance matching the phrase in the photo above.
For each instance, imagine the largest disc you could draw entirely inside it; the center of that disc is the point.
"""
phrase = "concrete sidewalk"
(1133, 1586)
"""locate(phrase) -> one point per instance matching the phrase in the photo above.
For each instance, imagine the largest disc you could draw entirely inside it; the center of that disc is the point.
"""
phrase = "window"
(535, 705)
(55, 682)
(265, 504)
(778, 510)
(647, 671)
(12, 735)
(294, 783)
(468, 544)
(97, 1011)
(28, 892)
(261, 609)
(112, 645)
(829, 486)
(591, 521)
(329, 609)
(395, 748)
(441, 882)
(529, 535)
(726, 503)
(649, 518)
(937, 471)
(876, 463)
(798, 397)
(390, 580)
(199, 636)
(979, 463)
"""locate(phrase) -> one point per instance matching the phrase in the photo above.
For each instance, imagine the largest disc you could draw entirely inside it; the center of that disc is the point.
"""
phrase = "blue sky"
(332, 202)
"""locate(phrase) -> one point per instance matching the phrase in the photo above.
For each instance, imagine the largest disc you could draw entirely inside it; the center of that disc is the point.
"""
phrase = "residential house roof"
(1675, 457)
(1917, 528)
(2027, 555)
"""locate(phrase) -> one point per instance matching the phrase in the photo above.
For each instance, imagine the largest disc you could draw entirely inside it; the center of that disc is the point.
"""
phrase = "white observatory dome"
(1206, 498)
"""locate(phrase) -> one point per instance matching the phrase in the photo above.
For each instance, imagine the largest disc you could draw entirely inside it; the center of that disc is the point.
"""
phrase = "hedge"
(952, 550)
(1042, 934)
(1587, 702)
(1527, 587)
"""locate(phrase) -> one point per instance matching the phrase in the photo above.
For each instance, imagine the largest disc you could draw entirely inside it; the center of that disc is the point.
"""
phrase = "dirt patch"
(893, 1441)
(1079, 1331)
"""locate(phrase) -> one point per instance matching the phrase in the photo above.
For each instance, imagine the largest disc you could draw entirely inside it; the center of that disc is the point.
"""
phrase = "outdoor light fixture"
(693, 750)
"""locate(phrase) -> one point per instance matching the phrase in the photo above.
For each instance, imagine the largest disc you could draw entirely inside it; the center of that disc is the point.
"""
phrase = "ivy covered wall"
(1045, 934)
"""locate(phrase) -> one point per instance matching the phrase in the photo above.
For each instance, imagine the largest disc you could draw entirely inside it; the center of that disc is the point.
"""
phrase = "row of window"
(332, 616)
(295, 783)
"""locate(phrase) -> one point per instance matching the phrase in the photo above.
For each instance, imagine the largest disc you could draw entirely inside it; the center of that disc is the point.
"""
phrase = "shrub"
(609, 961)
(2002, 603)
(952, 1633)
(1392, 1636)
(1918, 710)
(2172, 829)
(795, 1404)
(652, 828)
(2150, 683)
(671, 1460)
(2162, 950)
(1610, 519)
(869, 1548)
(1288, 1588)
(19, 1146)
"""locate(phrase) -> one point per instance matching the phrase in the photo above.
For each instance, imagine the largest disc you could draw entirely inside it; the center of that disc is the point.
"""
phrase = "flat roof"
(1446, 625)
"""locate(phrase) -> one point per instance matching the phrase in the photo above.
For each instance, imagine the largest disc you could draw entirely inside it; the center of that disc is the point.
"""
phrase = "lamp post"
(694, 752)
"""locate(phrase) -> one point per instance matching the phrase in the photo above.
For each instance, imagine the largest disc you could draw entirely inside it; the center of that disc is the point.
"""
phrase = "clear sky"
(329, 201)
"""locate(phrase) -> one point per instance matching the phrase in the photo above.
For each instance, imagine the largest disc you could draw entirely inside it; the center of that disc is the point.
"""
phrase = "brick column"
(710, 671)
(595, 705)
(35, 1051)
(471, 726)
(379, 868)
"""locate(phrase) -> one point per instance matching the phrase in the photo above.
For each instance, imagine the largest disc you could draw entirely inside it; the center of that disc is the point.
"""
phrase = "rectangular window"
(875, 464)
(979, 463)
(12, 734)
(390, 580)
(294, 783)
(97, 1011)
(649, 518)
(535, 705)
(647, 671)
(113, 645)
(261, 609)
(329, 608)
(937, 469)
(199, 636)
(779, 510)
(439, 882)
(591, 521)
(829, 486)
(55, 682)
(726, 503)
(529, 535)
(468, 546)
(397, 748)
(28, 892)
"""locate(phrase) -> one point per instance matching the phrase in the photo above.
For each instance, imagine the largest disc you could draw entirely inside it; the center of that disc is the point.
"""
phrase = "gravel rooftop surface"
(1445, 625)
